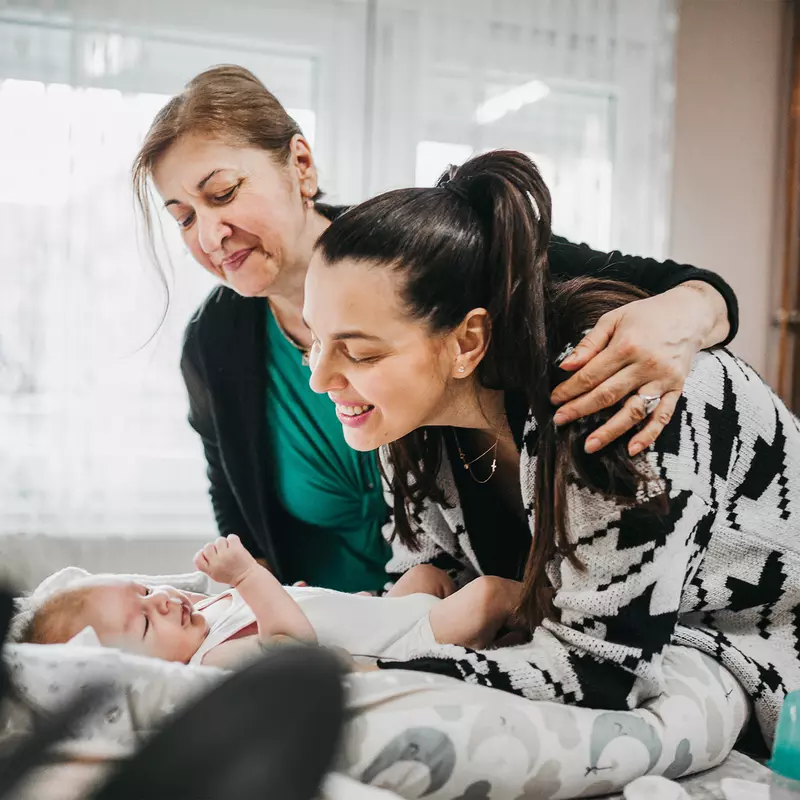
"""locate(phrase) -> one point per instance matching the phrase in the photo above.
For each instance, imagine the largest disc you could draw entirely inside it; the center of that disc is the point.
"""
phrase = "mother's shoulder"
(722, 380)
(224, 324)
(223, 306)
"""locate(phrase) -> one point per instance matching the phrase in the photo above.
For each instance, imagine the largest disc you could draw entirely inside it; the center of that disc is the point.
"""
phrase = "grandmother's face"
(241, 214)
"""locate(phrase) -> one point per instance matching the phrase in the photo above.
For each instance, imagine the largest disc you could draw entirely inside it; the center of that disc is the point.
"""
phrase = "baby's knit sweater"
(719, 572)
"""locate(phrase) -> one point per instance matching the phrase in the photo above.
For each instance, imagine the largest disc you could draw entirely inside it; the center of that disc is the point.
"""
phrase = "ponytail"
(513, 201)
(508, 195)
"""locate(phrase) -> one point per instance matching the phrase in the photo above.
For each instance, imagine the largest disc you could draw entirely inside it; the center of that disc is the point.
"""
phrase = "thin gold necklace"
(468, 464)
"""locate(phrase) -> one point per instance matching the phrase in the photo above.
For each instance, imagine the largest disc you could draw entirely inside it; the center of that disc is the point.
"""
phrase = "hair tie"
(458, 191)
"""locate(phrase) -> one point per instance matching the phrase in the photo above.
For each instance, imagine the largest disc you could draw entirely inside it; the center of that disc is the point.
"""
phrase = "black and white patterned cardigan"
(720, 572)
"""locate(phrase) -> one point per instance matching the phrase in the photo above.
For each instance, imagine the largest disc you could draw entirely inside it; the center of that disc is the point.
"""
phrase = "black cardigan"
(223, 366)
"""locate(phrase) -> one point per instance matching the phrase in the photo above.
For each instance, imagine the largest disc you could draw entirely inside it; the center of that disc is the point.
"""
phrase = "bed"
(420, 735)
(417, 735)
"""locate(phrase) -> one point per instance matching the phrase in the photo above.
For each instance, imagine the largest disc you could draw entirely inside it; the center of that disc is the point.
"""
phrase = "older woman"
(235, 172)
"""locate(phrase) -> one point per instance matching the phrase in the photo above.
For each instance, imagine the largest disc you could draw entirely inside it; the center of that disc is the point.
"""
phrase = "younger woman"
(439, 334)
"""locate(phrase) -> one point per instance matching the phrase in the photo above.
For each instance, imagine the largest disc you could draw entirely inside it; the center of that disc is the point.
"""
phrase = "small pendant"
(466, 466)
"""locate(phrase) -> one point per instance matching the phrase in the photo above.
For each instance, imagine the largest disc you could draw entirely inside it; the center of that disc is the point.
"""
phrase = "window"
(574, 134)
(92, 405)
(93, 433)
(586, 87)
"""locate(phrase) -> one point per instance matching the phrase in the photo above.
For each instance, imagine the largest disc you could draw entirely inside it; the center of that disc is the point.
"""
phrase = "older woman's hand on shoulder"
(642, 351)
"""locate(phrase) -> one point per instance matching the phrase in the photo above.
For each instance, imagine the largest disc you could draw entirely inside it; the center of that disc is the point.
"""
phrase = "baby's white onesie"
(380, 627)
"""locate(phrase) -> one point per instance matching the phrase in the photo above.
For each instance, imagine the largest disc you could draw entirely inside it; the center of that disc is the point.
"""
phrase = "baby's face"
(155, 621)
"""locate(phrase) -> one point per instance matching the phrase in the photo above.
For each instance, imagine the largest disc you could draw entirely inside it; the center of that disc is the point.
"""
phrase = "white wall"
(729, 121)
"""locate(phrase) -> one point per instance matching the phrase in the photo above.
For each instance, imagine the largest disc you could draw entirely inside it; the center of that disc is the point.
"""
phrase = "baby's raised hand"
(225, 560)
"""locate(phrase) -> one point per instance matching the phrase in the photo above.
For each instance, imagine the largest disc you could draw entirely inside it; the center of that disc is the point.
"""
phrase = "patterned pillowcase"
(423, 735)
(146, 689)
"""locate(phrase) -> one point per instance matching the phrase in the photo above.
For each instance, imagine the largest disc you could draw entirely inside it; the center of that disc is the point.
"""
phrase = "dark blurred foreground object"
(17, 762)
(270, 730)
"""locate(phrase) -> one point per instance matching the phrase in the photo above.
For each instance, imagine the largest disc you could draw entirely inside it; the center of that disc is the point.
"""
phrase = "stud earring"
(462, 368)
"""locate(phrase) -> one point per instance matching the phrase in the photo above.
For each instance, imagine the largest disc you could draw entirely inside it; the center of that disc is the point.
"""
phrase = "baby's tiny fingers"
(210, 550)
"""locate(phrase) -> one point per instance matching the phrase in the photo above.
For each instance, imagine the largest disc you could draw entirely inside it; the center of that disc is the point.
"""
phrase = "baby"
(229, 629)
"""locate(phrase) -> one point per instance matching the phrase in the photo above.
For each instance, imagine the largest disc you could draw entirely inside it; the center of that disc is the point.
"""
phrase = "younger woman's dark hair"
(479, 239)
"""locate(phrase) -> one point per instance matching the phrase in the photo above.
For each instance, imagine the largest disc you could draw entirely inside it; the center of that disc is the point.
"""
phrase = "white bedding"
(71, 781)
(705, 786)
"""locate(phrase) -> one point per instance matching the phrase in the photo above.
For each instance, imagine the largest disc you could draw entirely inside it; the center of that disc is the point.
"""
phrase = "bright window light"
(497, 107)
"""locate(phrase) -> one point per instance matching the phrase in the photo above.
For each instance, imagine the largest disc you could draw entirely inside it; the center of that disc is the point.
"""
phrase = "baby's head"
(152, 621)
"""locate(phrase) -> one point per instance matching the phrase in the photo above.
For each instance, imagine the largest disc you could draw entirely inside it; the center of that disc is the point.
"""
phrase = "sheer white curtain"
(584, 86)
(93, 432)
(93, 437)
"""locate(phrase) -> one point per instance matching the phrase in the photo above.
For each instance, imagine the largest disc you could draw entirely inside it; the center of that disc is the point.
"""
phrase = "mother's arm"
(438, 562)
(646, 346)
(616, 616)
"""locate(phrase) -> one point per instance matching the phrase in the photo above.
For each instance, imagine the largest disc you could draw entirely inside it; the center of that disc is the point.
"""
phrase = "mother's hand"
(647, 348)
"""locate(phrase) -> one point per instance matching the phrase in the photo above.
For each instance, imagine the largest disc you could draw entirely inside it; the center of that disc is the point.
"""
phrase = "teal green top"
(333, 491)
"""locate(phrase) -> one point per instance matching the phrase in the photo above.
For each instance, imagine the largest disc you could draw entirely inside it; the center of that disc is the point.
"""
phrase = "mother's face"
(241, 215)
(383, 369)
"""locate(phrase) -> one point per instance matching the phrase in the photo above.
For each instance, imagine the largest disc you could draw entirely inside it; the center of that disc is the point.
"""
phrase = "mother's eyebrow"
(344, 336)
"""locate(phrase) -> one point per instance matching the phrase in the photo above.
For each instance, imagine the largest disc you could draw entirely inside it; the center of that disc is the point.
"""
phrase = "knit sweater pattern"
(720, 571)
